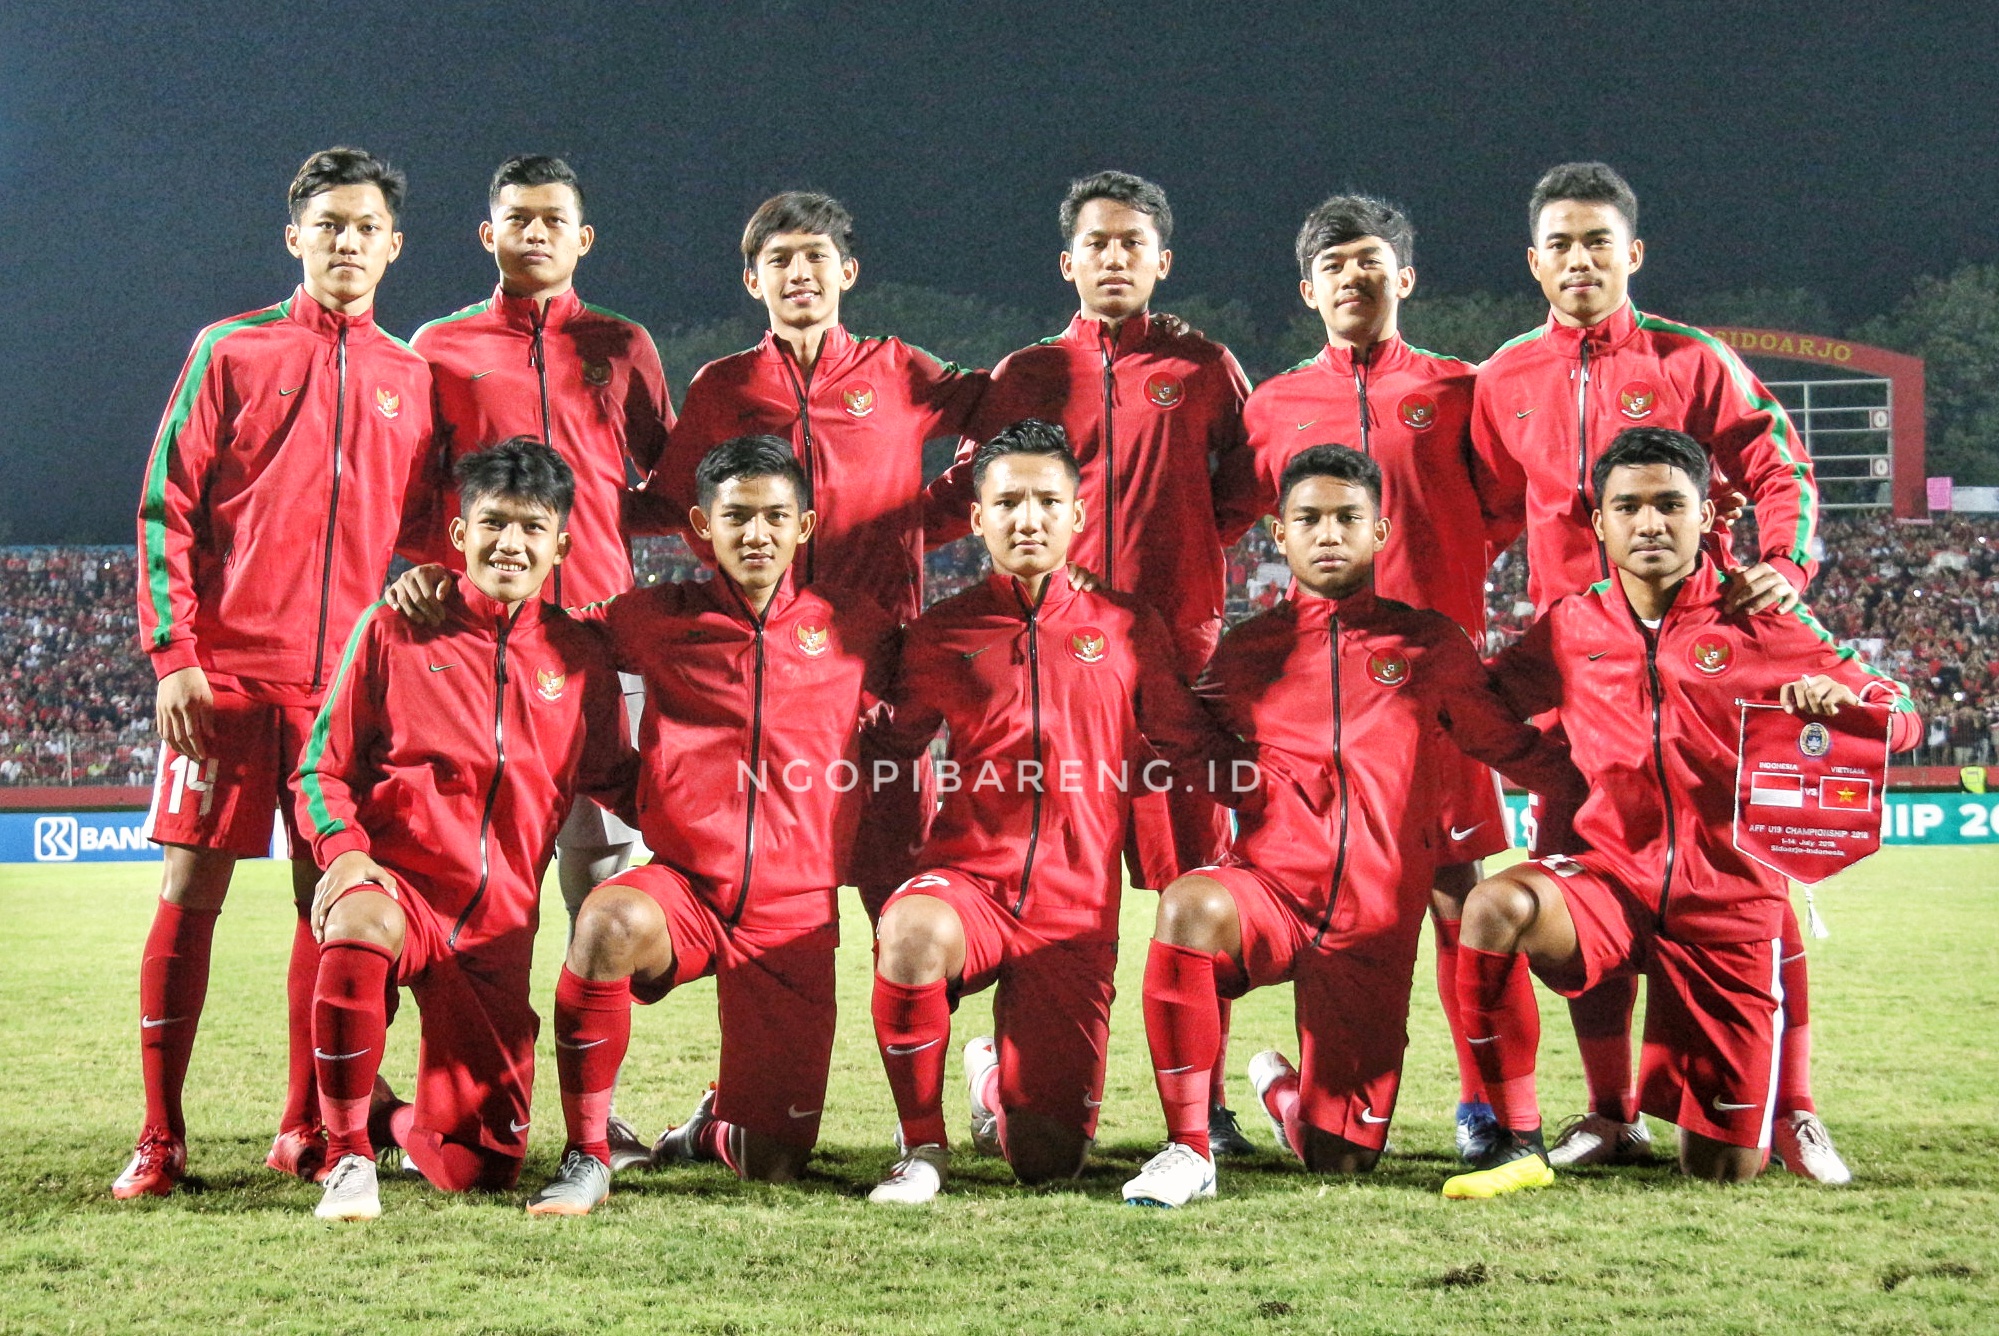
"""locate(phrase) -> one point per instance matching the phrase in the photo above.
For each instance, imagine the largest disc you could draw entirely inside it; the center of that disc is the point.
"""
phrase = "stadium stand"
(1921, 601)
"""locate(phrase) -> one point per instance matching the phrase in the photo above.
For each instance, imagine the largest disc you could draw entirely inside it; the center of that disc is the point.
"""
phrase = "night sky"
(144, 151)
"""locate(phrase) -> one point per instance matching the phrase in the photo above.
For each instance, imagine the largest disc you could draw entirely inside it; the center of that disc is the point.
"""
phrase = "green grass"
(1906, 1004)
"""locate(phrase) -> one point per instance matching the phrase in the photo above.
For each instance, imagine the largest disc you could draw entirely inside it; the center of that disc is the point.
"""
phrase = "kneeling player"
(433, 783)
(1647, 668)
(748, 797)
(1052, 695)
(1353, 702)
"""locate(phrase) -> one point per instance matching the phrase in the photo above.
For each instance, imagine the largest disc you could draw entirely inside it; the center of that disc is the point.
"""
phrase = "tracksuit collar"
(1089, 332)
(1311, 610)
(834, 345)
(520, 313)
(327, 324)
(488, 613)
(1613, 330)
(1012, 594)
(1701, 589)
(736, 603)
(1383, 356)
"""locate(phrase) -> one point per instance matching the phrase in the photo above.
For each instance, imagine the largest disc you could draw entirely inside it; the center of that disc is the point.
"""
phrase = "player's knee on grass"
(1198, 913)
(920, 941)
(1449, 887)
(196, 878)
(1328, 1154)
(767, 1160)
(1040, 1149)
(1717, 1161)
(364, 915)
(619, 932)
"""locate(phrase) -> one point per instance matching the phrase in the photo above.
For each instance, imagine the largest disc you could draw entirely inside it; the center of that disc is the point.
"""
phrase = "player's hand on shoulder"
(1816, 694)
(184, 712)
(1758, 588)
(351, 869)
(1083, 580)
(418, 593)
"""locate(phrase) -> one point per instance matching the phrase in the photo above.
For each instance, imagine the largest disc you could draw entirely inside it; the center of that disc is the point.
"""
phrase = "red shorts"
(1052, 1013)
(1471, 817)
(475, 1067)
(776, 999)
(1714, 1012)
(226, 802)
(1351, 1004)
(1171, 832)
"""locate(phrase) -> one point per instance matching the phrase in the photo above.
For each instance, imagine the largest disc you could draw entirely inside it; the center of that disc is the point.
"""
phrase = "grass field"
(1906, 1007)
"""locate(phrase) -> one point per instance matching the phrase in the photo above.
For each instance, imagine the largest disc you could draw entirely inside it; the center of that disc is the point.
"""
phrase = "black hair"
(1588, 182)
(1134, 192)
(342, 166)
(798, 211)
(1341, 463)
(1345, 218)
(742, 457)
(534, 169)
(1637, 446)
(520, 467)
(1029, 436)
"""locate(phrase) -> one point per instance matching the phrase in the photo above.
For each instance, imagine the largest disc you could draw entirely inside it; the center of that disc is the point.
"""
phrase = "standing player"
(434, 798)
(1154, 412)
(1547, 406)
(1647, 667)
(857, 412)
(281, 415)
(1052, 696)
(1410, 412)
(748, 799)
(1345, 695)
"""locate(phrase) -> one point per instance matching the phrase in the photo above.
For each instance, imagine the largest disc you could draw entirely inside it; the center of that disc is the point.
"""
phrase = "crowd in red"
(1920, 601)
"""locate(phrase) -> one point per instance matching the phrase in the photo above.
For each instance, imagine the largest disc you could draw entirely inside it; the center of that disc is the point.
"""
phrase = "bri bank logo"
(65, 839)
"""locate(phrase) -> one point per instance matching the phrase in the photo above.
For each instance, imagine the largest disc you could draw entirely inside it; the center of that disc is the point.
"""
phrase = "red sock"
(349, 1025)
(1280, 1101)
(173, 982)
(722, 1141)
(1469, 1088)
(301, 1083)
(1183, 1030)
(1502, 1043)
(913, 1028)
(1794, 1054)
(1602, 1018)
(593, 1028)
(1224, 1012)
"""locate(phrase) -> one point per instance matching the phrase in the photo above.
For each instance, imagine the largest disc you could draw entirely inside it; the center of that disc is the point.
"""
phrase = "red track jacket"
(1652, 724)
(1410, 411)
(749, 739)
(1071, 691)
(1351, 704)
(1550, 402)
(1155, 418)
(293, 444)
(857, 423)
(451, 754)
(585, 380)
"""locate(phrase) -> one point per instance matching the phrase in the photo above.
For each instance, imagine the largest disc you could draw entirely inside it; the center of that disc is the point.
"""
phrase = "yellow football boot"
(1517, 1164)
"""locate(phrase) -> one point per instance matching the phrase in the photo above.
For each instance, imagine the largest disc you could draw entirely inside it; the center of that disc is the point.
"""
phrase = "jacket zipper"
(1582, 451)
(547, 419)
(1339, 773)
(499, 773)
(801, 391)
(1659, 763)
(1034, 734)
(332, 511)
(756, 771)
(1109, 345)
(1360, 393)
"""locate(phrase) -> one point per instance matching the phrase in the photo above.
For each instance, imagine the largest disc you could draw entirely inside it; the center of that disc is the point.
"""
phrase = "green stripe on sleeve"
(324, 822)
(153, 503)
(462, 313)
(1817, 628)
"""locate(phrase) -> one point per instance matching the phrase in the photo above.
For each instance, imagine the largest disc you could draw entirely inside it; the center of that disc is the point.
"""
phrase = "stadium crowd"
(1921, 602)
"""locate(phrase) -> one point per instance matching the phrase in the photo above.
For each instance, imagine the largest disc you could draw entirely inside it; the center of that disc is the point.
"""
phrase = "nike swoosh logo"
(797, 1112)
(1089, 1103)
(1723, 1106)
(324, 1056)
(904, 1050)
(149, 1023)
(440, 667)
(1522, 412)
(282, 392)
(517, 1127)
(1457, 834)
(1367, 1116)
(971, 654)
(479, 375)
(1175, 1071)
(1598, 655)
(577, 1048)
(1302, 425)
(1489, 1039)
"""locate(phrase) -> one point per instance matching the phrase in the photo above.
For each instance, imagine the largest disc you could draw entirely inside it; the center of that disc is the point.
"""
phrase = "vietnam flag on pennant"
(1806, 788)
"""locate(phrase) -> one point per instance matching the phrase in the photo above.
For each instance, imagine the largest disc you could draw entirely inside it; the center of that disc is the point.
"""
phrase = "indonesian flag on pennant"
(1808, 789)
